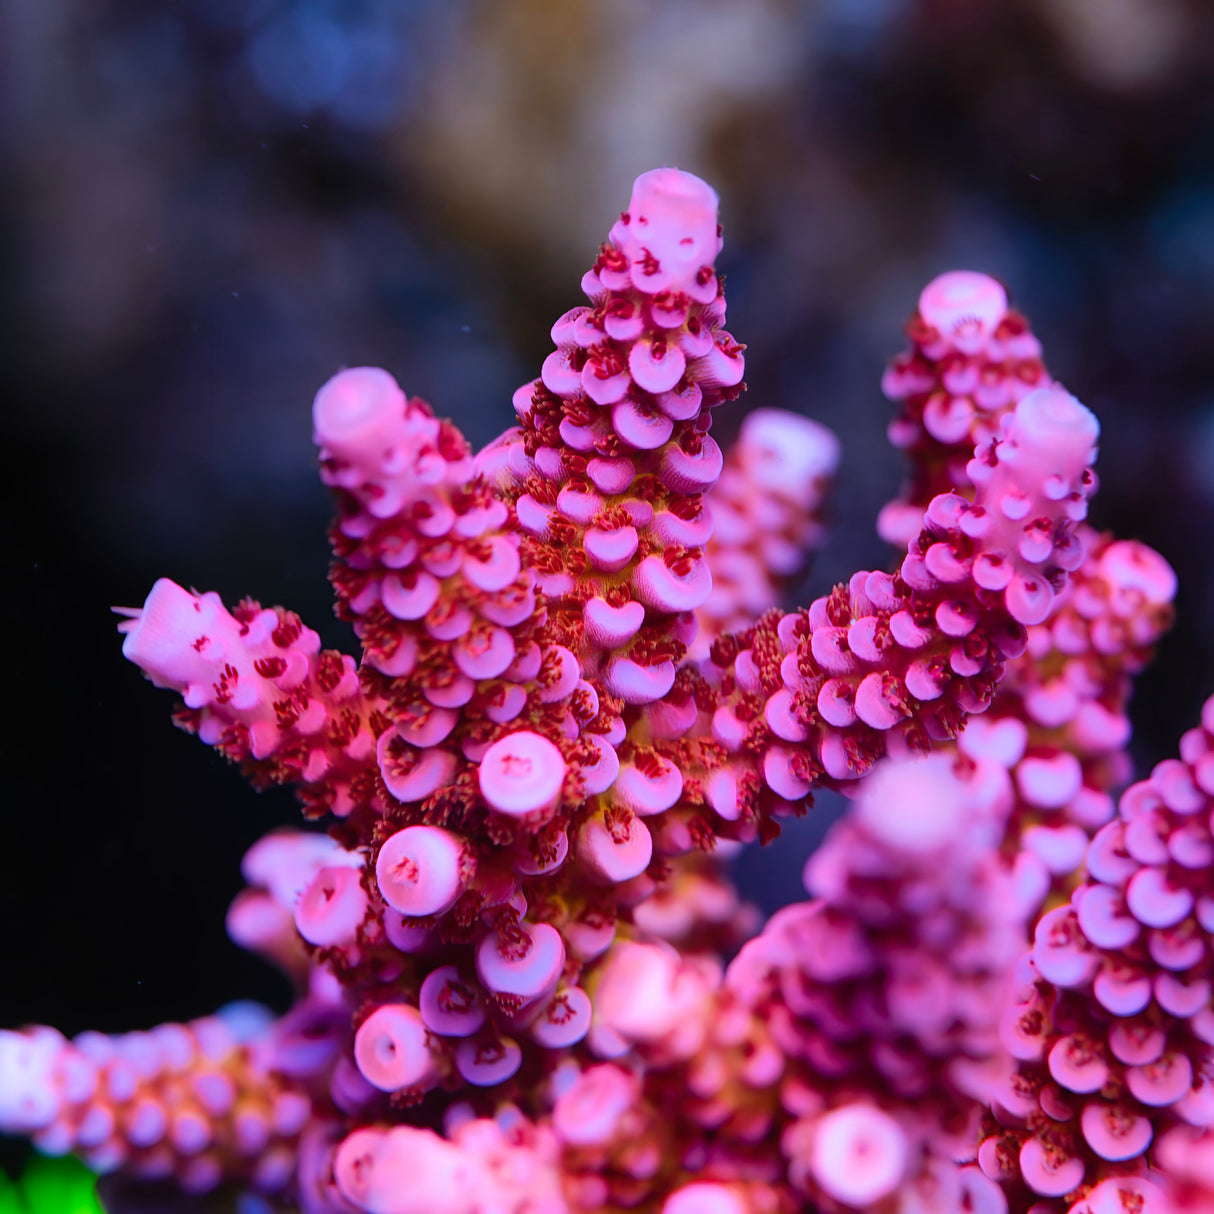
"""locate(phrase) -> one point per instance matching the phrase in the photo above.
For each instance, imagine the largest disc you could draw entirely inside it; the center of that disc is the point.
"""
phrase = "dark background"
(209, 206)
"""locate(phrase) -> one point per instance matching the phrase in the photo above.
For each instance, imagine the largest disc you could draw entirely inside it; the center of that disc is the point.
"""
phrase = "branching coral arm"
(971, 359)
(225, 1098)
(259, 688)
(607, 483)
(894, 663)
(1113, 1027)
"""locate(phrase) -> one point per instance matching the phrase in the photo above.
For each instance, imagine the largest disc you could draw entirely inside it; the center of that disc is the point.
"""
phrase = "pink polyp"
(836, 703)
(684, 402)
(449, 1005)
(1046, 1172)
(639, 993)
(671, 719)
(1136, 1042)
(390, 1049)
(999, 740)
(1121, 987)
(521, 774)
(649, 793)
(1060, 951)
(1049, 782)
(1028, 599)
(504, 967)
(610, 627)
(1103, 917)
(684, 473)
(449, 623)
(780, 776)
(1076, 1064)
(418, 870)
(1146, 837)
(673, 529)
(568, 673)
(1154, 901)
(1060, 848)
(1181, 997)
(603, 389)
(859, 1154)
(785, 453)
(331, 908)
(564, 1020)
(1130, 566)
(1022, 1032)
(615, 860)
(579, 505)
(1052, 704)
(511, 700)
(532, 516)
(431, 729)
(878, 705)
(610, 551)
(356, 410)
(656, 364)
(486, 1064)
(780, 718)
(1191, 846)
(409, 602)
(721, 793)
(498, 571)
(484, 653)
(964, 307)
(600, 776)
(948, 419)
(410, 774)
(642, 429)
(661, 588)
(558, 372)
(611, 475)
(637, 684)
(1113, 1131)
(672, 218)
(1162, 1082)
(407, 936)
(402, 1171)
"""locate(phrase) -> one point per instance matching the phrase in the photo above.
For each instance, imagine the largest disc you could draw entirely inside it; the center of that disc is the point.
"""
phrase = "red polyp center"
(406, 870)
(456, 998)
(516, 767)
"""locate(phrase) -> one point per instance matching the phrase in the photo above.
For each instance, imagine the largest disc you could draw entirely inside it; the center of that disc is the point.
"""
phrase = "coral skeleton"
(525, 981)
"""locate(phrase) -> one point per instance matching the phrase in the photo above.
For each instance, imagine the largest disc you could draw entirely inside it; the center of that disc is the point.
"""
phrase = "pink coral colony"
(577, 696)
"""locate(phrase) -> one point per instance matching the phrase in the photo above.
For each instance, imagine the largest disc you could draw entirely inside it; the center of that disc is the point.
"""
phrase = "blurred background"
(209, 206)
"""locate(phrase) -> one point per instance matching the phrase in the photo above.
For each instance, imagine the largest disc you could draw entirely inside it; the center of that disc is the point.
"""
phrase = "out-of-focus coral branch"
(766, 518)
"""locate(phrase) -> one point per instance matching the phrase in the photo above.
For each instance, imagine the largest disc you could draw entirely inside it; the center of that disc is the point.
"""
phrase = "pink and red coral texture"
(509, 947)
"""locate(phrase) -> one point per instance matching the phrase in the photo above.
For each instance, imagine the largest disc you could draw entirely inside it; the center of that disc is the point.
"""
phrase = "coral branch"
(220, 1099)
(971, 359)
(1113, 1026)
(766, 518)
(258, 687)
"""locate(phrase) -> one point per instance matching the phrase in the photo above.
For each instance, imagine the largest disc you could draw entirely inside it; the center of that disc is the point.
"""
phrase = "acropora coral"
(578, 694)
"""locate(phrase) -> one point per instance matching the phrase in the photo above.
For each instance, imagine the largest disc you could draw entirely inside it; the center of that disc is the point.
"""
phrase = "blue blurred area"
(212, 205)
